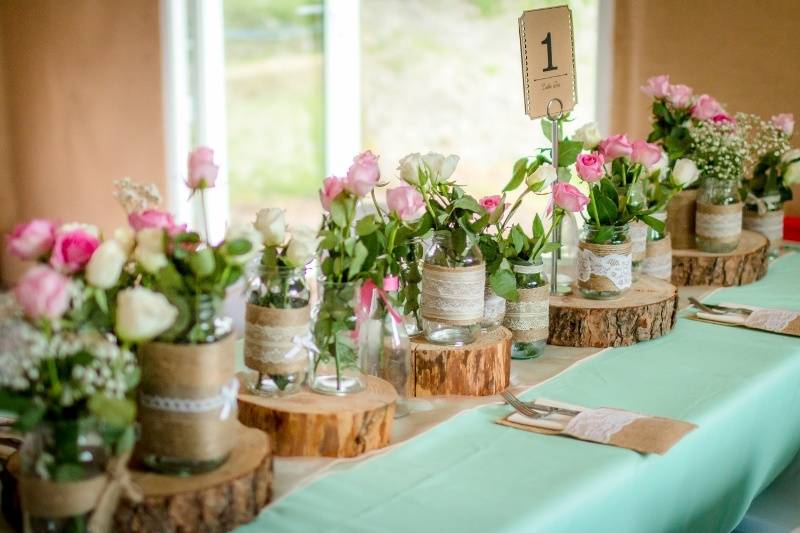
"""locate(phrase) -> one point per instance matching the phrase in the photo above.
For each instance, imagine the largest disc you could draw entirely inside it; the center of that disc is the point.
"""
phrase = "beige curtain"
(744, 52)
(80, 106)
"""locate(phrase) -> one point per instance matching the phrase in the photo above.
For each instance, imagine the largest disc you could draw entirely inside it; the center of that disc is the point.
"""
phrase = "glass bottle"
(718, 223)
(410, 278)
(208, 324)
(336, 369)
(63, 451)
(635, 198)
(528, 319)
(283, 290)
(453, 281)
(604, 261)
(494, 309)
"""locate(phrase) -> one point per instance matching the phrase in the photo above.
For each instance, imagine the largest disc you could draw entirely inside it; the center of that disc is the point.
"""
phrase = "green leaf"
(30, 416)
(238, 247)
(568, 152)
(564, 175)
(113, 411)
(102, 301)
(537, 227)
(359, 255)
(517, 238)
(366, 225)
(339, 212)
(654, 223)
(547, 128)
(550, 247)
(202, 262)
(504, 284)
(468, 203)
(126, 440)
(518, 174)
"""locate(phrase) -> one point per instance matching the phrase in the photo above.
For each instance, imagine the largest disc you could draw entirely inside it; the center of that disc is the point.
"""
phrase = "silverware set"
(534, 410)
(719, 309)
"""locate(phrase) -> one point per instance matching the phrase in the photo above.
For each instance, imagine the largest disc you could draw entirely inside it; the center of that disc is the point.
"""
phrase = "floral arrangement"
(718, 149)
(772, 163)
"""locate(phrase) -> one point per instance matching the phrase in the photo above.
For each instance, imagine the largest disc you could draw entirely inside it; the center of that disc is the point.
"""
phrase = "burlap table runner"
(770, 225)
(604, 267)
(268, 339)
(453, 295)
(719, 224)
(658, 259)
(185, 408)
(681, 219)
(528, 319)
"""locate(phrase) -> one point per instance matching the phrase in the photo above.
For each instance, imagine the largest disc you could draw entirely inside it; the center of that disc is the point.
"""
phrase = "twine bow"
(760, 203)
(367, 293)
(228, 394)
(119, 483)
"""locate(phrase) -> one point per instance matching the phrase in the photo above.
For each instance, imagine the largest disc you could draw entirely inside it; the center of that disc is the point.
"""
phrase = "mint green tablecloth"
(741, 387)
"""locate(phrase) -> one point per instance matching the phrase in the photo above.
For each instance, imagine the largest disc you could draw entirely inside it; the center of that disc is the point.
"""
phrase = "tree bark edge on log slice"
(747, 264)
(311, 424)
(482, 368)
(647, 311)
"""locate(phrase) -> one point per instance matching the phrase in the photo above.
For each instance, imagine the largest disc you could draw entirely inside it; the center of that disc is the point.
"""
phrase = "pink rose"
(331, 188)
(614, 147)
(648, 154)
(202, 170)
(72, 250)
(590, 166)
(568, 197)
(153, 218)
(680, 96)
(43, 293)
(784, 122)
(706, 107)
(657, 86)
(723, 118)
(405, 201)
(32, 240)
(363, 174)
(490, 203)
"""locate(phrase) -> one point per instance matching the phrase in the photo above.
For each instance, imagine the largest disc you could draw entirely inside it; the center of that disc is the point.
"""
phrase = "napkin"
(605, 425)
(773, 320)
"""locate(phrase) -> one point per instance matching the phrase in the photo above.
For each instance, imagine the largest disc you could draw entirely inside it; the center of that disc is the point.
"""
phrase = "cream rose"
(126, 238)
(684, 173)
(545, 174)
(105, 266)
(589, 135)
(271, 224)
(791, 176)
(790, 155)
(409, 168)
(149, 252)
(302, 246)
(441, 167)
(142, 314)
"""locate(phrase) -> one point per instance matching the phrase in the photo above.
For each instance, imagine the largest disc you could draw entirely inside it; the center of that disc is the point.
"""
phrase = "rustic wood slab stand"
(482, 368)
(648, 310)
(311, 424)
(746, 264)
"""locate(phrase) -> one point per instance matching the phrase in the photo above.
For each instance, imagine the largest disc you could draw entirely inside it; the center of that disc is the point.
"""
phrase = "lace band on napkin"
(778, 320)
(599, 425)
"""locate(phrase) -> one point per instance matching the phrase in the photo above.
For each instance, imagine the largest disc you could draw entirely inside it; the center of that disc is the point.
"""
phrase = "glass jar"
(453, 281)
(494, 309)
(62, 451)
(410, 278)
(278, 318)
(528, 318)
(635, 197)
(207, 323)
(718, 221)
(336, 368)
(765, 216)
(658, 252)
(604, 261)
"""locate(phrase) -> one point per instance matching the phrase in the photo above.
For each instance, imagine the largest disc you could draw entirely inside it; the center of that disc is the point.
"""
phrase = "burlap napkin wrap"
(770, 225)
(603, 279)
(616, 427)
(658, 259)
(529, 317)
(719, 224)
(782, 321)
(186, 374)
(99, 495)
(638, 233)
(453, 295)
(681, 219)
(268, 335)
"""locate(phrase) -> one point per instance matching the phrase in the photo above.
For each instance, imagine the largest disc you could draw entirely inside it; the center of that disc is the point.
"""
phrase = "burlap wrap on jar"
(529, 317)
(187, 400)
(719, 224)
(453, 295)
(770, 225)
(268, 339)
(681, 219)
(638, 235)
(658, 259)
(604, 267)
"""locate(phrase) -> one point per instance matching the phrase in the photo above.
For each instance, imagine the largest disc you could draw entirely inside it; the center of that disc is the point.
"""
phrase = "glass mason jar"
(765, 215)
(208, 323)
(61, 451)
(604, 261)
(494, 308)
(718, 222)
(658, 260)
(410, 278)
(277, 315)
(528, 318)
(635, 197)
(336, 368)
(453, 281)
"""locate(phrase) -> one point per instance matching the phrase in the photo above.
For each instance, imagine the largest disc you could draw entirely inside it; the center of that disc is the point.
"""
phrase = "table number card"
(548, 60)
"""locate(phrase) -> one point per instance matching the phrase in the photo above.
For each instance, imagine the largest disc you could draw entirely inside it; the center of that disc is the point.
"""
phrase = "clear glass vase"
(494, 309)
(336, 368)
(718, 221)
(453, 282)
(278, 315)
(410, 279)
(635, 197)
(658, 260)
(528, 318)
(604, 261)
(764, 215)
(61, 451)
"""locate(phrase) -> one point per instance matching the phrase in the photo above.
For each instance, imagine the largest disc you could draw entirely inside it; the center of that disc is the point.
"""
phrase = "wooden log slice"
(311, 424)
(746, 264)
(482, 368)
(648, 310)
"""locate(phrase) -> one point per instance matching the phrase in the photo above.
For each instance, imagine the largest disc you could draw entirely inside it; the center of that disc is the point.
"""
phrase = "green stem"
(594, 205)
(205, 214)
(514, 208)
(377, 207)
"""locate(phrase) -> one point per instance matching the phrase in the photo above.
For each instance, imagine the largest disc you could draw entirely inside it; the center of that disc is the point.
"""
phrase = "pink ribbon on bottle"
(368, 289)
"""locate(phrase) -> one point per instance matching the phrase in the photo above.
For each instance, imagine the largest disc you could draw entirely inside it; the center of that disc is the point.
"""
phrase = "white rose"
(302, 246)
(249, 233)
(126, 238)
(94, 231)
(272, 226)
(684, 173)
(589, 135)
(790, 155)
(149, 252)
(448, 166)
(105, 266)
(545, 174)
(791, 176)
(143, 315)
(409, 168)
(441, 167)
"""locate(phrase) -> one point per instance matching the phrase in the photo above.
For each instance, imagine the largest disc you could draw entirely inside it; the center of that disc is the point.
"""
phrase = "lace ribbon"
(771, 319)
(718, 221)
(615, 267)
(453, 295)
(599, 425)
(770, 225)
(529, 318)
(225, 401)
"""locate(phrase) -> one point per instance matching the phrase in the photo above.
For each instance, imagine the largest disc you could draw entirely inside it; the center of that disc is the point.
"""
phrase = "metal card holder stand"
(554, 138)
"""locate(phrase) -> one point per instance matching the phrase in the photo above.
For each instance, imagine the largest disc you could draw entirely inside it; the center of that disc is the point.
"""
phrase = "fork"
(525, 408)
(718, 309)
